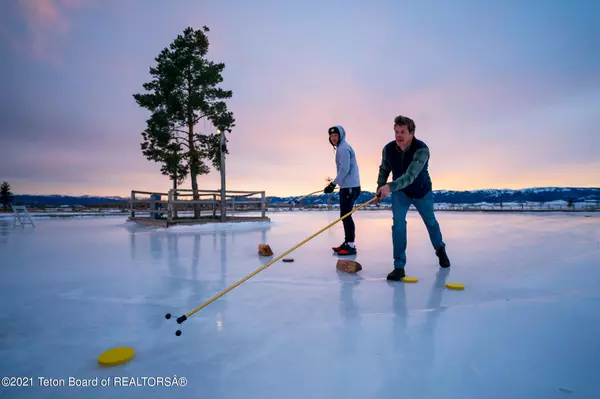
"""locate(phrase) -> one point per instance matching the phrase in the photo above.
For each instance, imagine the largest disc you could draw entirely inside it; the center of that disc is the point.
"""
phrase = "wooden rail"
(514, 207)
(174, 207)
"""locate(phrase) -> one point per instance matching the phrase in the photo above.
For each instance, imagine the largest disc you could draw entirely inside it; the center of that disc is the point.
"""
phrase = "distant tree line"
(6, 196)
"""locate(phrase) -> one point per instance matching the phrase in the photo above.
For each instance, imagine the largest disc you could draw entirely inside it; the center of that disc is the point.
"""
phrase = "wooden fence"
(177, 206)
(521, 207)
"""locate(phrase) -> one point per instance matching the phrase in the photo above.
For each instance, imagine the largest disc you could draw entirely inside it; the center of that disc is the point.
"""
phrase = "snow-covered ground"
(526, 325)
(558, 205)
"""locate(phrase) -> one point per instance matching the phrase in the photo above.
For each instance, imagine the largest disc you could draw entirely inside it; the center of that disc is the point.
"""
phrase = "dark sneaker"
(441, 253)
(347, 250)
(397, 274)
(338, 249)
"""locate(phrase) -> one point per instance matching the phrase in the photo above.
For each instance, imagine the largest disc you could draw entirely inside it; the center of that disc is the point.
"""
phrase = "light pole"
(223, 148)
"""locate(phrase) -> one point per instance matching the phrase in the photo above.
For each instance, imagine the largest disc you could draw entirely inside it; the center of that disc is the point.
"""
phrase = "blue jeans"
(400, 204)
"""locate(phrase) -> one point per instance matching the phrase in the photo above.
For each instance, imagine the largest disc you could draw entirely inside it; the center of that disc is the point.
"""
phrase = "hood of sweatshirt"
(340, 130)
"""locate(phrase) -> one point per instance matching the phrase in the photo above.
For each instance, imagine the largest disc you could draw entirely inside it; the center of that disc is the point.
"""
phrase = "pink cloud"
(47, 27)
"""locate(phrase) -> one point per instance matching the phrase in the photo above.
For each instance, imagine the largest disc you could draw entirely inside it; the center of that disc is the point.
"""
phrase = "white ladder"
(22, 216)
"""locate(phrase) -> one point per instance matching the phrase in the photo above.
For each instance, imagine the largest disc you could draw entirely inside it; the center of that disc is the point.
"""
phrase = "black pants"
(347, 198)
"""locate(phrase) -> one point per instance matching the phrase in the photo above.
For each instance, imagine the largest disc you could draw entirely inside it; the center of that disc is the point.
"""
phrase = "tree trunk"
(194, 155)
(174, 195)
(193, 167)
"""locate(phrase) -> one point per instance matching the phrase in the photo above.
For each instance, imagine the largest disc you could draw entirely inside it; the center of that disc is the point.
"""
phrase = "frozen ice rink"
(527, 324)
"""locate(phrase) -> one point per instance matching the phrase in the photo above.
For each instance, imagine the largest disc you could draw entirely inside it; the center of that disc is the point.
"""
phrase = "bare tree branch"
(181, 140)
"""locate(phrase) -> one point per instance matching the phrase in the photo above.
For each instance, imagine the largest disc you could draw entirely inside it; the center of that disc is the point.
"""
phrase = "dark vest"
(399, 161)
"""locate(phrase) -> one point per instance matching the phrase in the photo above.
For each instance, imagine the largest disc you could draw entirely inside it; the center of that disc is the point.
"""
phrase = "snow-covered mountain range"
(538, 194)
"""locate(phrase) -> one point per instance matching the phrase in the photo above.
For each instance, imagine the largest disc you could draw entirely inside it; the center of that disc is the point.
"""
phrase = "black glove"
(329, 188)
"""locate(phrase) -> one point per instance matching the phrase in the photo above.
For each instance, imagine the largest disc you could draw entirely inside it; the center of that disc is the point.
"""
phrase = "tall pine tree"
(159, 146)
(184, 90)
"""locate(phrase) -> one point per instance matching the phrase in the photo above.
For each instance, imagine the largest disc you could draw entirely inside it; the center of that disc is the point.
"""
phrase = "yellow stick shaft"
(275, 260)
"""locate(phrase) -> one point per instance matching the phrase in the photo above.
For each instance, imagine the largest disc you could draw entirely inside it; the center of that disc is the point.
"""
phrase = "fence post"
(214, 205)
(170, 206)
(131, 204)
(262, 204)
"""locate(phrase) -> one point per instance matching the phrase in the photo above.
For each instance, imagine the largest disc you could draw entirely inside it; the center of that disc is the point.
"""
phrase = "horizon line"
(365, 191)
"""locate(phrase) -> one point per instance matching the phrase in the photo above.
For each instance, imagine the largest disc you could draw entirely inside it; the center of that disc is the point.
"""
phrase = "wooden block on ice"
(264, 250)
(348, 266)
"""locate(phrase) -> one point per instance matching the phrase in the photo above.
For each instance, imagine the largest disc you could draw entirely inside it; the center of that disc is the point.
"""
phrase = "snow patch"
(235, 226)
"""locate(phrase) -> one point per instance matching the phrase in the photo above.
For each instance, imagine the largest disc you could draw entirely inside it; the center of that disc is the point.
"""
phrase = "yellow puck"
(116, 356)
(408, 279)
(455, 286)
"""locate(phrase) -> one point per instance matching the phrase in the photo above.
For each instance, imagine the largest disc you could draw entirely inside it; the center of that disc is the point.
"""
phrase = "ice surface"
(526, 326)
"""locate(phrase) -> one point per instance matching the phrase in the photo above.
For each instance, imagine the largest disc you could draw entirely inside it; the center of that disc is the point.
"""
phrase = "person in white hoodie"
(348, 178)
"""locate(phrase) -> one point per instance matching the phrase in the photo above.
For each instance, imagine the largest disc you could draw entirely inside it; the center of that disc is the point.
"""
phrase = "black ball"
(168, 316)
(178, 333)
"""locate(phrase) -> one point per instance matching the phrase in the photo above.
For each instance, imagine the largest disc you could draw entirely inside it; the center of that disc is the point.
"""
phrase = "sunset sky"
(505, 93)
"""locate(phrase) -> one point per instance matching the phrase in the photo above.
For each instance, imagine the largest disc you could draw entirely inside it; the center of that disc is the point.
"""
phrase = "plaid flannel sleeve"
(384, 170)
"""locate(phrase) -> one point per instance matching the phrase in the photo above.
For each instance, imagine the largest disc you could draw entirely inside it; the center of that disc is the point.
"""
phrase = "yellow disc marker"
(455, 286)
(116, 356)
(408, 279)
